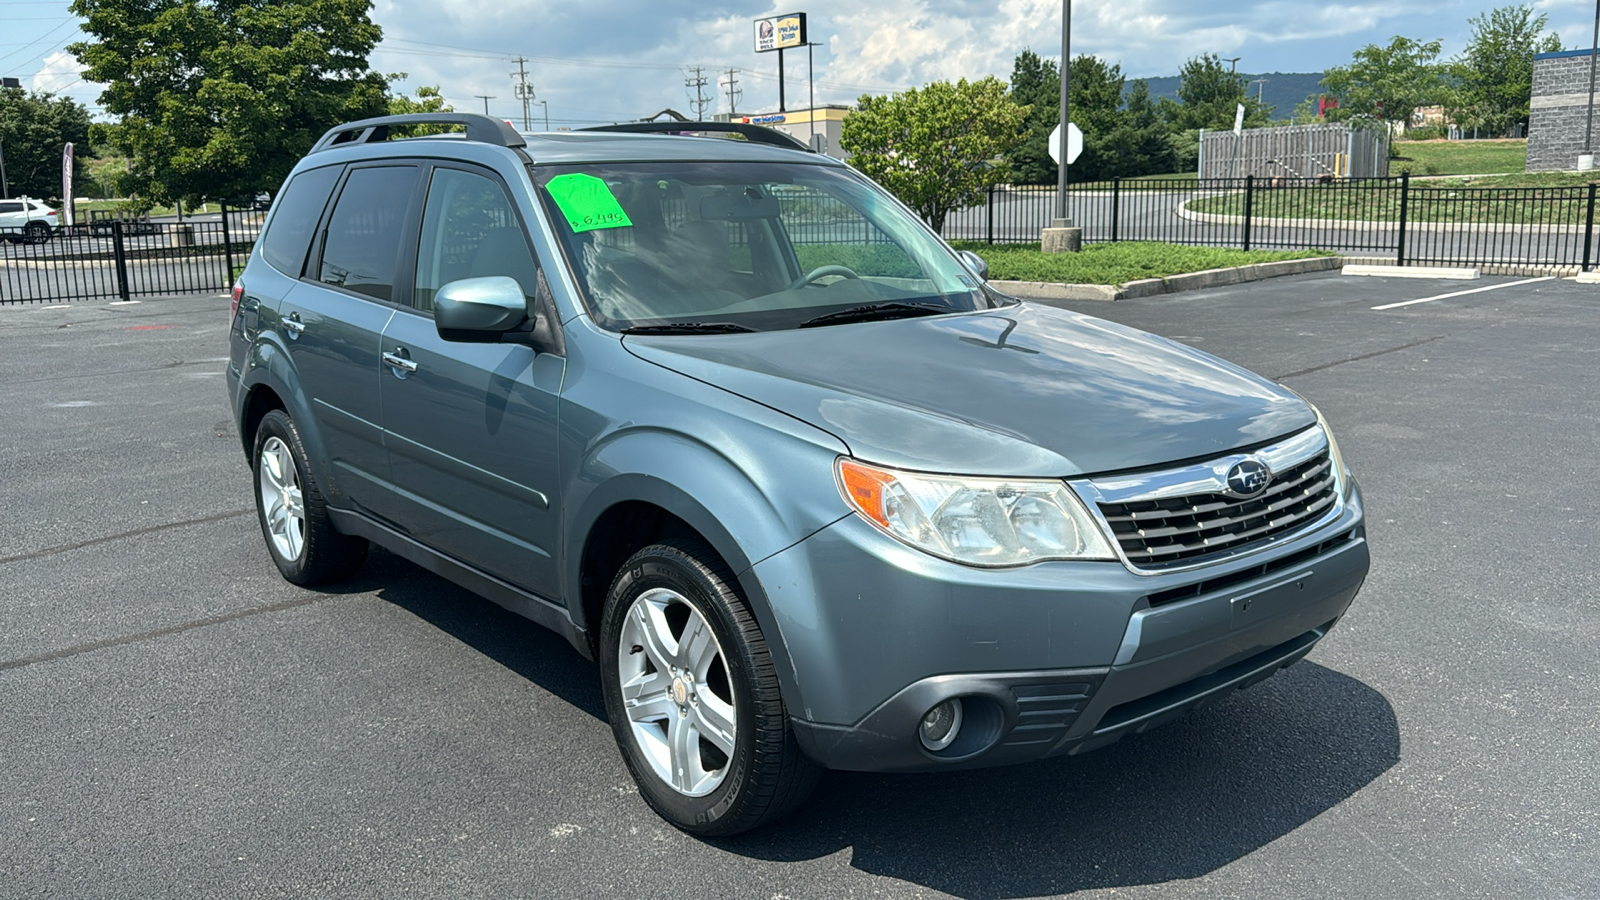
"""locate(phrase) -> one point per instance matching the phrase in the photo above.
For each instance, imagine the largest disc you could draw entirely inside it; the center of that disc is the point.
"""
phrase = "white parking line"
(1492, 287)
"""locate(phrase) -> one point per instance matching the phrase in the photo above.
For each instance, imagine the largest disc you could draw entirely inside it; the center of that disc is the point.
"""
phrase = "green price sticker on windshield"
(587, 203)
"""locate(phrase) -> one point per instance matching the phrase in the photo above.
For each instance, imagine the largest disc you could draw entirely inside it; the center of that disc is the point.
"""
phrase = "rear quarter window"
(288, 236)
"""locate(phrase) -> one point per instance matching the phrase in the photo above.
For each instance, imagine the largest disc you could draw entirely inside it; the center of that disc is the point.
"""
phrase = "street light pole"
(485, 98)
(546, 105)
(1066, 74)
(1594, 51)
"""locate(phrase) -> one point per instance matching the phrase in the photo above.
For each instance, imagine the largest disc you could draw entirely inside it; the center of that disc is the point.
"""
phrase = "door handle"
(400, 364)
(294, 326)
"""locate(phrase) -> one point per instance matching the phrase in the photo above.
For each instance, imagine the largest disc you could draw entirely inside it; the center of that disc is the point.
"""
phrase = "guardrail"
(111, 260)
(1410, 222)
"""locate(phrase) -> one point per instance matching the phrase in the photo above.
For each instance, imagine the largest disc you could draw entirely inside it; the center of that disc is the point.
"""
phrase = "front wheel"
(693, 697)
(36, 232)
(294, 516)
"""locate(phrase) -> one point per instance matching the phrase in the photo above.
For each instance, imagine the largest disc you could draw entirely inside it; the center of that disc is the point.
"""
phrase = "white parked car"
(27, 220)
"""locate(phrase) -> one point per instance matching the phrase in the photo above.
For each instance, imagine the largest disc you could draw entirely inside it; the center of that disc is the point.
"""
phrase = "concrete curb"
(1047, 292)
(1462, 274)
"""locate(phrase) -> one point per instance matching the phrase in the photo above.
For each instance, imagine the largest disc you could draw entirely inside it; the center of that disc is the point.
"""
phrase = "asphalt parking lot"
(177, 721)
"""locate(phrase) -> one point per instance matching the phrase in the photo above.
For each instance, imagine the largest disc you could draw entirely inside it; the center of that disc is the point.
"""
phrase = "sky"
(594, 63)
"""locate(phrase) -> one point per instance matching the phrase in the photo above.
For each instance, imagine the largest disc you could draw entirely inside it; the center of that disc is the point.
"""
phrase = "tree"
(220, 98)
(1494, 75)
(1036, 86)
(1120, 137)
(1209, 97)
(428, 100)
(33, 128)
(938, 148)
(1388, 83)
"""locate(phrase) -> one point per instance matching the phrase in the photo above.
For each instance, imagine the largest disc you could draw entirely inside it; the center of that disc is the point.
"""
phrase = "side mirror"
(479, 310)
(975, 263)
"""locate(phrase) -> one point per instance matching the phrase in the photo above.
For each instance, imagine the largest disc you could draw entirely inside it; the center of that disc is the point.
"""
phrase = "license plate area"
(1265, 603)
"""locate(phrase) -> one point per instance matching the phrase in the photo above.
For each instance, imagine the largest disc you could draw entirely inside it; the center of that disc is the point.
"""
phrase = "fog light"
(940, 725)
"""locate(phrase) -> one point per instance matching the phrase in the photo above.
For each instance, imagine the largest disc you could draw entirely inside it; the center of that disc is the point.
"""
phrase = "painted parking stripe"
(1492, 287)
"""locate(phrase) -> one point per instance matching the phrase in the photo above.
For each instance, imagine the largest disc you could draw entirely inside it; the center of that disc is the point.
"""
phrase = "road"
(177, 721)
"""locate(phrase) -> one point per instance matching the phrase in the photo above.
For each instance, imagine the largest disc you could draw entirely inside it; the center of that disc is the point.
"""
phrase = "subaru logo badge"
(1247, 478)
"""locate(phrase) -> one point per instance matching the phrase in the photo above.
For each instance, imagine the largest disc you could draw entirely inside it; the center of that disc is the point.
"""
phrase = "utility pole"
(733, 92)
(523, 90)
(697, 82)
(1261, 86)
(485, 98)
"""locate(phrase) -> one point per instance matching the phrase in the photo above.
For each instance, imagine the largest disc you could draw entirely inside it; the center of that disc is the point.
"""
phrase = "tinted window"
(363, 242)
(469, 230)
(10, 207)
(289, 236)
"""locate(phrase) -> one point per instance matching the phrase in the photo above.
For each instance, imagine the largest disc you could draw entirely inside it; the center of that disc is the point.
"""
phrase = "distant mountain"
(1283, 91)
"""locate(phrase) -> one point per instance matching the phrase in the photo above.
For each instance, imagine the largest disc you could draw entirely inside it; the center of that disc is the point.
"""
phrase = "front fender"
(748, 507)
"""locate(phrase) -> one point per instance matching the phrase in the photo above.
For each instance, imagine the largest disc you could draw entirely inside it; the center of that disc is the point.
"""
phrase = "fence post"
(227, 248)
(1588, 228)
(1249, 203)
(121, 256)
(989, 208)
(1405, 194)
(1116, 207)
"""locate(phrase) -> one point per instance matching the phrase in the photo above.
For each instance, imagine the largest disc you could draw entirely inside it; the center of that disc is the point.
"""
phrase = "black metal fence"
(1412, 223)
(123, 259)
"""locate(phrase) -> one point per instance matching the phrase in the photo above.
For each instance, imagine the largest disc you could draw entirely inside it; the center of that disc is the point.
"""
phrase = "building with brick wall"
(1559, 111)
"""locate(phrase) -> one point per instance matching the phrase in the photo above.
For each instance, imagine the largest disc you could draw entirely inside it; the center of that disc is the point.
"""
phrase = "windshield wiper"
(689, 328)
(877, 312)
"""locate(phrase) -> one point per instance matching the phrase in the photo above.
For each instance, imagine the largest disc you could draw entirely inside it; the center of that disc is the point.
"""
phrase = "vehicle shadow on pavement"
(532, 652)
(1175, 803)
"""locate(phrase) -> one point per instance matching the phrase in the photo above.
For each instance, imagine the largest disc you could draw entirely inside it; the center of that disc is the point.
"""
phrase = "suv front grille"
(1195, 527)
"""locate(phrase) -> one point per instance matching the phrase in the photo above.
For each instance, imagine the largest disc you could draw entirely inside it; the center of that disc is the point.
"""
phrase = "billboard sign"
(780, 32)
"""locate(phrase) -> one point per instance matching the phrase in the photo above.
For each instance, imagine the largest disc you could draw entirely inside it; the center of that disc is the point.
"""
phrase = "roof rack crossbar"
(754, 133)
(481, 129)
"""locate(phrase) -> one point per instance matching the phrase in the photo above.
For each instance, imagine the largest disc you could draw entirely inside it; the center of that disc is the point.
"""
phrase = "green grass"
(1115, 263)
(1458, 157)
(1507, 201)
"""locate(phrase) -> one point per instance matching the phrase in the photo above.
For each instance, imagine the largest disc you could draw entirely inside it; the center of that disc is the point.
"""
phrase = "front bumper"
(1048, 659)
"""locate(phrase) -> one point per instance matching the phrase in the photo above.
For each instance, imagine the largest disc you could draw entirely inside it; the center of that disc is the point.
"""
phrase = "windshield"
(707, 247)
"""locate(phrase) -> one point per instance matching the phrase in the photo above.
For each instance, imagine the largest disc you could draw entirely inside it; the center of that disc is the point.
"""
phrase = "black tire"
(321, 554)
(766, 776)
(36, 232)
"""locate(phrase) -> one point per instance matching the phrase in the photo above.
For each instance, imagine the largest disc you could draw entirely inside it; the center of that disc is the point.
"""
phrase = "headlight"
(976, 521)
(1347, 481)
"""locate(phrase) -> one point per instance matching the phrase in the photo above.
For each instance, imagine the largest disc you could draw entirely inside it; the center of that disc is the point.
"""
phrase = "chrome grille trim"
(1188, 521)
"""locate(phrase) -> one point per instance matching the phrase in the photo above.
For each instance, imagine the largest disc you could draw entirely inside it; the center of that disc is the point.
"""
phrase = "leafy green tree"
(1388, 83)
(937, 148)
(1209, 98)
(33, 128)
(1036, 86)
(1121, 137)
(219, 98)
(428, 100)
(1494, 75)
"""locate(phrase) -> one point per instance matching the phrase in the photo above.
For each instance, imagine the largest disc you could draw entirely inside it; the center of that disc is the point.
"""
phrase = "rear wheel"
(693, 696)
(293, 515)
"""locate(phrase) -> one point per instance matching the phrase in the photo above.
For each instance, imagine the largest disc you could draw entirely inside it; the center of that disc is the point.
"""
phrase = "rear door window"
(289, 234)
(362, 249)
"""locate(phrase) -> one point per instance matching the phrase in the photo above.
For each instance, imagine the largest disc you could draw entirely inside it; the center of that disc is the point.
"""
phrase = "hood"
(1019, 391)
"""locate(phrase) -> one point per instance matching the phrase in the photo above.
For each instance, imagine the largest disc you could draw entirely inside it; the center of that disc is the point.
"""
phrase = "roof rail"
(754, 133)
(480, 129)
